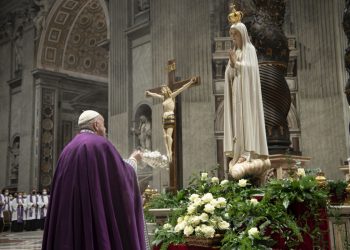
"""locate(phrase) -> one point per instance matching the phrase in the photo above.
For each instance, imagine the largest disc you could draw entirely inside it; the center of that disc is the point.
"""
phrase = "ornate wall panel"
(71, 41)
(47, 138)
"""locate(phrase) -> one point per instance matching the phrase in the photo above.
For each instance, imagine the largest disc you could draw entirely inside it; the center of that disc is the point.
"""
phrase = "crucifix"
(167, 94)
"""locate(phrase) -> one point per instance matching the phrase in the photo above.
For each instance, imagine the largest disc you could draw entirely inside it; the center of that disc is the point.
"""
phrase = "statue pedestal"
(282, 165)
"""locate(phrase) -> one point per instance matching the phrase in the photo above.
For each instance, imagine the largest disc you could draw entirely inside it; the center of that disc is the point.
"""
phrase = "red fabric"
(185, 247)
(298, 209)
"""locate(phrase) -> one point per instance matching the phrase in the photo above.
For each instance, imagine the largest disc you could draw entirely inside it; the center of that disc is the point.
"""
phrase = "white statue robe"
(244, 123)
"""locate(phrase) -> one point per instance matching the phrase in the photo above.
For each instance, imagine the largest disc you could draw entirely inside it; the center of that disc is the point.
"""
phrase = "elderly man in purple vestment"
(95, 202)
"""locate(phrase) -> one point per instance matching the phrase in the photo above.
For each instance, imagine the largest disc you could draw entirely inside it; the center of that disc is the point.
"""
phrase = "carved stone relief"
(142, 129)
(40, 17)
(71, 42)
(47, 137)
(14, 161)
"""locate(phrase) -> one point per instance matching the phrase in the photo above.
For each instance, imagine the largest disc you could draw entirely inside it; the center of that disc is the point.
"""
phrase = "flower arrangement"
(155, 159)
(249, 217)
(204, 216)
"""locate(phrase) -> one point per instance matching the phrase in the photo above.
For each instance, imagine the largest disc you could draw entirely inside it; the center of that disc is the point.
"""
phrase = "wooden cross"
(174, 167)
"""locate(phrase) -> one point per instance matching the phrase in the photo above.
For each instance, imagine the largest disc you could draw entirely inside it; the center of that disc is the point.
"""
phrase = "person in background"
(17, 208)
(43, 203)
(2, 207)
(32, 211)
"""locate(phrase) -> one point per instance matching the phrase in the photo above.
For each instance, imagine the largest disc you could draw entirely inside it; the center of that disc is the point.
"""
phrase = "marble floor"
(21, 241)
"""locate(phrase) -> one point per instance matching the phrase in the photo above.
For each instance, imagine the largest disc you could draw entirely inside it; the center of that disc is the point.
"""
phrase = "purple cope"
(95, 202)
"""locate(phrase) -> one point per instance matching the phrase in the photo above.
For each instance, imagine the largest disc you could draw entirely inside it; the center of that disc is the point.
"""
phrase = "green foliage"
(303, 189)
(271, 216)
(166, 236)
(337, 188)
(163, 201)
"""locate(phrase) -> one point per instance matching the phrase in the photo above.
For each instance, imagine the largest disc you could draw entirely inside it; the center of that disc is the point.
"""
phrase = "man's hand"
(137, 155)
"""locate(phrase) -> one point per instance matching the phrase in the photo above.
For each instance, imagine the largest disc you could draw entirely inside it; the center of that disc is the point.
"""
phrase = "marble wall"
(5, 70)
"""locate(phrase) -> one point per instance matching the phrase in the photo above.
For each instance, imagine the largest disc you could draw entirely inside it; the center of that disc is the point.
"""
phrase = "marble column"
(346, 26)
(265, 27)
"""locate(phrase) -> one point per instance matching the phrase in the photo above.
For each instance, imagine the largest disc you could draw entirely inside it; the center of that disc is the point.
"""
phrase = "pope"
(95, 201)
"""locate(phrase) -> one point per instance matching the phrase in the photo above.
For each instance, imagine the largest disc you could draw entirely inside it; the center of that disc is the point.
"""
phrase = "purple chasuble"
(95, 202)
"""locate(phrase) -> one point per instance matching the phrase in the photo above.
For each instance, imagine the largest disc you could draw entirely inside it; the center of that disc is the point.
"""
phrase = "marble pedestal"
(282, 165)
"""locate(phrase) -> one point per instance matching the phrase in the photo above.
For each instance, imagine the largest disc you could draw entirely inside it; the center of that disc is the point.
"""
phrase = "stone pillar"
(346, 26)
(46, 138)
(265, 28)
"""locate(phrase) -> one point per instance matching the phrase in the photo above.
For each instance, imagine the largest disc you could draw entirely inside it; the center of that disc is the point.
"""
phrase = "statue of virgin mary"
(244, 124)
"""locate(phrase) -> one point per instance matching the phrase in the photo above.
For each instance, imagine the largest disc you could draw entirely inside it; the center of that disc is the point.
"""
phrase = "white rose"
(253, 232)
(186, 218)
(221, 202)
(180, 226)
(227, 216)
(223, 225)
(242, 182)
(214, 203)
(188, 230)
(204, 176)
(193, 197)
(301, 172)
(224, 182)
(180, 219)
(208, 231)
(209, 208)
(195, 220)
(167, 226)
(215, 180)
(207, 197)
(198, 230)
(204, 217)
(197, 202)
(191, 209)
(254, 201)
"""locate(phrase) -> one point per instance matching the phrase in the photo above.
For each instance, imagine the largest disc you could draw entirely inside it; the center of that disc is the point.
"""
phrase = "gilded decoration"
(72, 38)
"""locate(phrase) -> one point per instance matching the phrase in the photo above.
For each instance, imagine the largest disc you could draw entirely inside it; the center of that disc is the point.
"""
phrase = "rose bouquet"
(204, 216)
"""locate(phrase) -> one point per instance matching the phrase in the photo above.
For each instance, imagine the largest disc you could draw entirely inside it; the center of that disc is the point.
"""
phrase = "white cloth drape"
(244, 124)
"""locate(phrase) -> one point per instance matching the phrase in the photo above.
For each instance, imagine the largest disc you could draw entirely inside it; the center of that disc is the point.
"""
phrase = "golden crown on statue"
(235, 16)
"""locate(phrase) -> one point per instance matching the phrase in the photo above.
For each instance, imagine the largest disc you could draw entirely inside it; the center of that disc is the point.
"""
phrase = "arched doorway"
(71, 76)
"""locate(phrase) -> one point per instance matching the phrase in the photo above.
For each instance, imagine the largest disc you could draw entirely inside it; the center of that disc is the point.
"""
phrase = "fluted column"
(265, 27)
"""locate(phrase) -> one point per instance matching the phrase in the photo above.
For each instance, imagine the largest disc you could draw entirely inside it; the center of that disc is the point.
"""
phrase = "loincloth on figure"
(168, 121)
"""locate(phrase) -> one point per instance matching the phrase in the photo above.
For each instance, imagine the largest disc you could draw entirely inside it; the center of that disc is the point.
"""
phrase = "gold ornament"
(235, 16)
(321, 179)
